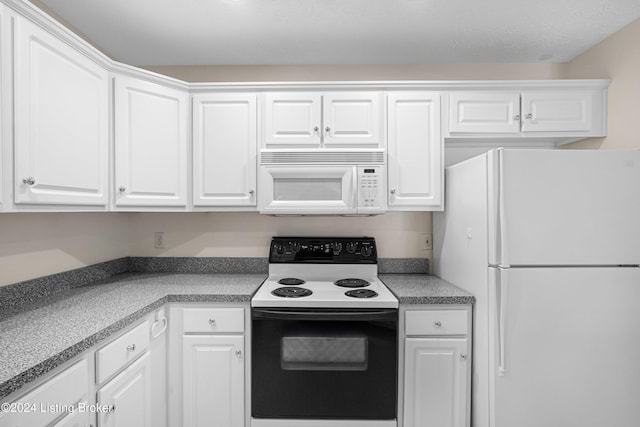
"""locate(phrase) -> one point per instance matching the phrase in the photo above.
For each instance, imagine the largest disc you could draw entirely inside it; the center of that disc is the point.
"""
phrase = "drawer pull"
(463, 356)
(239, 353)
(437, 324)
(212, 322)
(131, 347)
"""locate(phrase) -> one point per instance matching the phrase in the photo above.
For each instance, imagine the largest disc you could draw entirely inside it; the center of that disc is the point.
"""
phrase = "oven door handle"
(261, 313)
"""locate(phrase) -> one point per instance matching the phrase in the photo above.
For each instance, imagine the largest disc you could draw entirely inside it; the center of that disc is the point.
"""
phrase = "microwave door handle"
(354, 189)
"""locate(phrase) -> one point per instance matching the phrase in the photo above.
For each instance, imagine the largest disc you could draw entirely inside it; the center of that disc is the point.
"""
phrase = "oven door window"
(324, 353)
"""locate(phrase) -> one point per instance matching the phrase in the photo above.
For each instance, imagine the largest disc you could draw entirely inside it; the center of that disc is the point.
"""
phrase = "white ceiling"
(236, 32)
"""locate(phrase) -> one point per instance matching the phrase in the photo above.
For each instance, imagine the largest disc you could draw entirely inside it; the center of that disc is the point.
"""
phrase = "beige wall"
(248, 234)
(38, 244)
(616, 58)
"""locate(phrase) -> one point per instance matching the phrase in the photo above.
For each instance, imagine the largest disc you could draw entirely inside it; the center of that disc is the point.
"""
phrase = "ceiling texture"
(280, 32)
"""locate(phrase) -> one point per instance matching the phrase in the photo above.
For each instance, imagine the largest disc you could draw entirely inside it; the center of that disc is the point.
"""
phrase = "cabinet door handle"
(529, 116)
(122, 189)
(131, 347)
(29, 181)
(212, 322)
(393, 191)
(327, 130)
(111, 409)
(437, 324)
(516, 117)
(463, 356)
(239, 353)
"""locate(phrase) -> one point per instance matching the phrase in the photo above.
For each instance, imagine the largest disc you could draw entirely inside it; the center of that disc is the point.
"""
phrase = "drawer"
(436, 322)
(65, 389)
(119, 353)
(207, 320)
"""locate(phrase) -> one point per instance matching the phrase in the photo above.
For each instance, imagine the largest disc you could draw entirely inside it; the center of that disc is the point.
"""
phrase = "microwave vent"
(373, 157)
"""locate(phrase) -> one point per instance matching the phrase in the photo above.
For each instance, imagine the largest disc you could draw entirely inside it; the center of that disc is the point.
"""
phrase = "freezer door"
(564, 347)
(564, 207)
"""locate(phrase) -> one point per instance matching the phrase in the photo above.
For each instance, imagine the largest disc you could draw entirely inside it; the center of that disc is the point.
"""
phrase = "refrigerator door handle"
(502, 220)
(502, 320)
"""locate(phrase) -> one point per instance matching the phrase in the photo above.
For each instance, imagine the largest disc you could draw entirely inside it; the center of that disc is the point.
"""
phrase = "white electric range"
(324, 337)
(323, 273)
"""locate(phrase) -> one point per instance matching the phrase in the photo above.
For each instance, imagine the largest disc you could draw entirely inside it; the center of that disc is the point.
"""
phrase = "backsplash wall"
(33, 245)
(38, 244)
(247, 234)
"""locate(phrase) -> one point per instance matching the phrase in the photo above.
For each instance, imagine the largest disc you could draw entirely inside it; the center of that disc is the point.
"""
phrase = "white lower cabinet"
(213, 381)
(76, 419)
(128, 397)
(436, 378)
(207, 364)
(437, 368)
(50, 401)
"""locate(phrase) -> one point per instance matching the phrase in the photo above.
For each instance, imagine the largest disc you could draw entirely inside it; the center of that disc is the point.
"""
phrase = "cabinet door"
(224, 150)
(213, 381)
(352, 119)
(128, 396)
(415, 170)
(61, 122)
(557, 111)
(471, 112)
(435, 382)
(77, 419)
(151, 142)
(63, 390)
(4, 107)
(292, 119)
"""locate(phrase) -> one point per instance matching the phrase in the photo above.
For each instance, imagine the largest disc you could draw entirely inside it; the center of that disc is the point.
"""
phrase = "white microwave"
(313, 189)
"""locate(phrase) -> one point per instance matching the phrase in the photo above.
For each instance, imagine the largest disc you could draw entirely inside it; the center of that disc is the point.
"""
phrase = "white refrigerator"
(548, 241)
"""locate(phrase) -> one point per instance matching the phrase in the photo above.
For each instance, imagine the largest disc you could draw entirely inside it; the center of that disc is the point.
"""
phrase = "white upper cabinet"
(484, 112)
(415, 171)
(61, 122)
(352, 119)
(551, 113)
(292, 119)
(151, 144)
(224, 150)
(316, 120)
(557, 111)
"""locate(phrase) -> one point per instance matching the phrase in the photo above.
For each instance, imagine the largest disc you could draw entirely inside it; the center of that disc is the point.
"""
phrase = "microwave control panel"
(371, 190)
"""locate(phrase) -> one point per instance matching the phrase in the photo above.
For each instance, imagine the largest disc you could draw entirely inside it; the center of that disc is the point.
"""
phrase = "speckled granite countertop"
(52, 330)
(425, 289)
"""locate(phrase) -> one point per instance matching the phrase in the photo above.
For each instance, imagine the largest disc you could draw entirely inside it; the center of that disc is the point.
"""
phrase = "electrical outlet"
(427, 241)
(158, 240)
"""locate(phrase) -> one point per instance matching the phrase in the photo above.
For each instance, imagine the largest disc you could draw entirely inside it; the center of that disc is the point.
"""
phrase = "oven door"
(324, 364)
(307, 190)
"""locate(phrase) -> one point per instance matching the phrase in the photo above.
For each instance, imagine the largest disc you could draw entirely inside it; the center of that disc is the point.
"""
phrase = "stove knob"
(351, 247)
(279, 249)
(367, 251)
(295, 246)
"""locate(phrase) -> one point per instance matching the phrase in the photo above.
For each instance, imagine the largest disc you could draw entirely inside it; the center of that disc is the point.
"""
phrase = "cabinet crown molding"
(39, 17)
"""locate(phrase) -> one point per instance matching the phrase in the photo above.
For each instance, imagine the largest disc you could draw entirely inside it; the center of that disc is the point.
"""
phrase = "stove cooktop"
(328, 272)
(323, 291)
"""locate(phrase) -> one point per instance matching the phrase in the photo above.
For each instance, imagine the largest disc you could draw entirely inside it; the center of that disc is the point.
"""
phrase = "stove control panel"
(323, 250)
